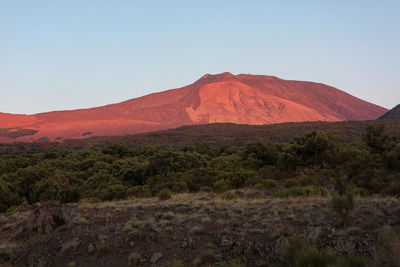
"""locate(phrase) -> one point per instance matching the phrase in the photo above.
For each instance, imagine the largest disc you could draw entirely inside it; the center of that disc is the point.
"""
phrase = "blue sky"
(58, 55)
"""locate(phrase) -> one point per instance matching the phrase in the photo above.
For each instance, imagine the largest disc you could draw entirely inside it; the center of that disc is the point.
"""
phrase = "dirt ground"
(188, 230)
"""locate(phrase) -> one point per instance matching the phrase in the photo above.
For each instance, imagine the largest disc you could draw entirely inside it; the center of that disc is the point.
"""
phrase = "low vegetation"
(310, 165)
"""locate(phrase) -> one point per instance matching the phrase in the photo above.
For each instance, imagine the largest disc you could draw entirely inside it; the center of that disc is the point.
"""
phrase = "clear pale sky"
(58, 55)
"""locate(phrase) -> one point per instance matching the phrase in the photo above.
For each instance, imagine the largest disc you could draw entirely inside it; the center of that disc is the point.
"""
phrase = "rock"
(156, 257)
(72, 244)
(187, 242)
(280, 245)
(182, 209)
(314, 234)
(48, 228)
(102, 237)
(90, 248)
(345, 245)
(217, 257)
(353, 231)
(132, 244)
(225, 241)
(62, 228)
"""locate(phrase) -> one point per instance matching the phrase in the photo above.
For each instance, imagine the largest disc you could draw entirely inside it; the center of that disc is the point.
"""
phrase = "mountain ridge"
(393, 114)
(219, 98)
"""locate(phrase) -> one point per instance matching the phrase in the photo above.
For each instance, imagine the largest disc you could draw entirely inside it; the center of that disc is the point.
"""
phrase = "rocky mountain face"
(242, 99)
(393, 114)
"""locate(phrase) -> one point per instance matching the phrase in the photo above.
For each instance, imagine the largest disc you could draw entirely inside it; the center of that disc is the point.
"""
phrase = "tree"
(376, 138)
(316, 148)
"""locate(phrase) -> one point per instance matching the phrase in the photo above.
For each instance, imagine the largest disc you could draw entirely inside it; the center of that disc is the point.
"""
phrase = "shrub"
(358, 191)
(112, 192)
(343, 205)
(259, 186)
(297, 191)
(164, 194)
(139, 191)
(389, 248)
(393, 187)
(299, 254)
(196, 262)
(229, 195)
(180, 187)
(269, 183)
(307, 180)
(233, 263)
(291, 183)
(8, 197)
(206, 189)
(221, 186)
(271, 172)
(376, 138)
(176, 263)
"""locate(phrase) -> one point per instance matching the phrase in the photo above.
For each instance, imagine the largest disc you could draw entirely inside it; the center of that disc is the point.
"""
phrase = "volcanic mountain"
(393, 114)
(244, 99)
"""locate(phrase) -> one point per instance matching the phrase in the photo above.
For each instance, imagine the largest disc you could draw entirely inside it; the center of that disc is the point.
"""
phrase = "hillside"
(214, 133)
(221, 98)
(393, 114)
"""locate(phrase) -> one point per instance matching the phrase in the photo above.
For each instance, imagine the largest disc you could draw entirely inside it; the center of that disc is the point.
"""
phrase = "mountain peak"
(208, 78)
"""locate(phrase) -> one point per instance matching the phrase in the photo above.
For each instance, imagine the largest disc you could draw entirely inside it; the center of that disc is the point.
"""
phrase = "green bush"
(393, 188)
(301, 255)
(112, 192)
(307, 180)
(206, 189)
(290, 183)
(221, 186)
(389, 248)
(180, 187)
(297, 191)
(164, 194)
(269, 183)
(176, 263)
(139, 191)
(358, 191)
(8, 197)
(343, 205)
(229, 195)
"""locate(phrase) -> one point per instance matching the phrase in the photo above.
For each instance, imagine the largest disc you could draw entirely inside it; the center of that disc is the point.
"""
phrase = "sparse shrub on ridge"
(297, 191)
(343, 205)
(269, 183)
(290, 183)
(230, 195)
(388, 253)
(221, 186)
(298, 254)
(164, 194)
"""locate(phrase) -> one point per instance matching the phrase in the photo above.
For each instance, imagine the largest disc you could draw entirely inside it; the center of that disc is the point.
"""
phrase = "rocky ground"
(194, 229)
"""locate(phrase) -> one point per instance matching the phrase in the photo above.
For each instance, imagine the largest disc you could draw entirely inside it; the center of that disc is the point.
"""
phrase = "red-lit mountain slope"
(244, 98)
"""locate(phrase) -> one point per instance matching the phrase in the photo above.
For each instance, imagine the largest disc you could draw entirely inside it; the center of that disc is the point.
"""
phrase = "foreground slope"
(198, 230)
(221, 98)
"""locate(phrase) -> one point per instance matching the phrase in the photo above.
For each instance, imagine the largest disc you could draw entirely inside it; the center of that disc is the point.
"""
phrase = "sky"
(57, 55)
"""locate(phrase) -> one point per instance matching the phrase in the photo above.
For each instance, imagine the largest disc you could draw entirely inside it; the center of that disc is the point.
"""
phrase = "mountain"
(393, 114)
(221, 98)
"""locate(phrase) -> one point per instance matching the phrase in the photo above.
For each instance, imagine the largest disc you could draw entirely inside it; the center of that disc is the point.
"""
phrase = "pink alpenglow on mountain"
(244, 99)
